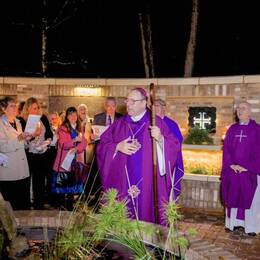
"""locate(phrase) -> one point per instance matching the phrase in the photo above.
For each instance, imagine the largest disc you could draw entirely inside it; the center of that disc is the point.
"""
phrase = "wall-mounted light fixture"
(87, 90)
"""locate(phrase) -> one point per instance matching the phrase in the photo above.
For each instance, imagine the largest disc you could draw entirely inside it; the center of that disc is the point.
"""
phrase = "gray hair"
(245, 103)
(161, 102)
(82, 105)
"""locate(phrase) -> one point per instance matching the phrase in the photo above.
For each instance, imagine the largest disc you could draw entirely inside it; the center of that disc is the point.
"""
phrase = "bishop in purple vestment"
(241, 165)
(160, 109)
(124, 157)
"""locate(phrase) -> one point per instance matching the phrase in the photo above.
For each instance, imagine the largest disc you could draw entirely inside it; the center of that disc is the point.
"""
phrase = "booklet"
(98, 130)
(66, 164)
(32, 123)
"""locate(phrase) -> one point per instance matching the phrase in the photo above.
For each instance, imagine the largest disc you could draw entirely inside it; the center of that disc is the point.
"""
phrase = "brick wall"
(179, 93)
(201, 192)
(178, 109)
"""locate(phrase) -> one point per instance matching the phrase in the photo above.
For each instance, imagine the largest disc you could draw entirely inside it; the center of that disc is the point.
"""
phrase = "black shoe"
(239, 228)
(252, 234)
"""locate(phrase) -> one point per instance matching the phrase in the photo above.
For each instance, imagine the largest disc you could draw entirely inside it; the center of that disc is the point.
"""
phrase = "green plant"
(180, 243)
(110, 224)
(172, 217)
(86, 231)
(113, 224)
(198, 136)
(200, 170)
(74, 242)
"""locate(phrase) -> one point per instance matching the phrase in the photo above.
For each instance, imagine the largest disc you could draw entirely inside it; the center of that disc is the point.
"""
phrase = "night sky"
(102, 38)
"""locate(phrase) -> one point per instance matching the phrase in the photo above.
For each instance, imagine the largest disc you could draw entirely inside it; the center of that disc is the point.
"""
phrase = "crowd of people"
(30, 177)
(38, 165)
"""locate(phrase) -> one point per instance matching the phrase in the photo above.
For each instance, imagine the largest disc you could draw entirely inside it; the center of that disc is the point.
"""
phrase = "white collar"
(137, 118)
(244, 123)
(5, 119)
(73, 126)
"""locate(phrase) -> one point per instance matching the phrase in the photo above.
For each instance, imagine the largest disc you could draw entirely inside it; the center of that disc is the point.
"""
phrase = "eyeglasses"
(242, 108)
(131, 101)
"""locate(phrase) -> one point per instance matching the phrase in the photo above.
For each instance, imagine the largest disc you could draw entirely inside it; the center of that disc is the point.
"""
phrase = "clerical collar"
(244, 123)
(137, 118)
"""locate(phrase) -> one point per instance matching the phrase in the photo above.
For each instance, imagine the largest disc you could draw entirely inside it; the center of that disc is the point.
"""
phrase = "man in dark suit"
(93, 187)
(110, 114)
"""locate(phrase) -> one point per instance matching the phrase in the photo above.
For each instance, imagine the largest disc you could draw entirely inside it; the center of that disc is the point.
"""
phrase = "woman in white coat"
(14, 173)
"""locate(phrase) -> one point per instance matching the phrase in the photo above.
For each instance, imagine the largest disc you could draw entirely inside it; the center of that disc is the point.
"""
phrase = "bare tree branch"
(59, 14)
(56, 23)
(60, 22)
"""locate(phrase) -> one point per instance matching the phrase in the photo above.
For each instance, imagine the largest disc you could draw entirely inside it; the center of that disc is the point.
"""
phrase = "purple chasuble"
(241, 147)
(139, 165)
(178, 167)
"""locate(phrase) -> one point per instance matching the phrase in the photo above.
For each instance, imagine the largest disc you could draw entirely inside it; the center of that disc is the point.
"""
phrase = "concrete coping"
(200, 177)
(202, 147)
(221, 80)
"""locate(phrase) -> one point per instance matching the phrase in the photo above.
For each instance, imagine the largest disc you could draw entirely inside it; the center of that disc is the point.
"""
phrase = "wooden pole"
(155, 189)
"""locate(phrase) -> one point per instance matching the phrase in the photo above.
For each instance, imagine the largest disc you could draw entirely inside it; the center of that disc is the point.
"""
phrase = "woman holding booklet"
(14, 172)
(37, 149)
(71, 145)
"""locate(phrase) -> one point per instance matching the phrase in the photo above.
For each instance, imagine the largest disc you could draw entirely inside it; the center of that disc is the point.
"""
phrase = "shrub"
(198, 136)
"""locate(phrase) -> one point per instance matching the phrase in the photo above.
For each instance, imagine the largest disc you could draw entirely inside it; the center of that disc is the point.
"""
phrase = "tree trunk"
(44, 43)
(150, 45)
(189, 61)
(146, 66)
(44, 38)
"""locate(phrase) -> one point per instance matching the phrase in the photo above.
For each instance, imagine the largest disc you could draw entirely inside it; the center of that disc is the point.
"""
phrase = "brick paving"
(212, 230)
(211, 241)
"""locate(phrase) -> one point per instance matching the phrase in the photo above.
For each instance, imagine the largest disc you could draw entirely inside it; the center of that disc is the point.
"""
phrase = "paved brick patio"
(211, 229)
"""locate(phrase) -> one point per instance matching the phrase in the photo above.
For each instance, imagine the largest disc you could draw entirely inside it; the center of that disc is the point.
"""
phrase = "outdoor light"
(87, 90)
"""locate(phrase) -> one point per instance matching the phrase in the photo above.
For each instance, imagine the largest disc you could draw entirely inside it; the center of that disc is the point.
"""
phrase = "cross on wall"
(202, 120)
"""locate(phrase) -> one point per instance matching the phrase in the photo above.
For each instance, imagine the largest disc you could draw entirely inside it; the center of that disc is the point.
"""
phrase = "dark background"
(101, 38)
